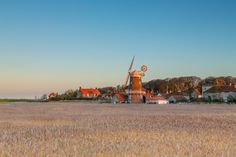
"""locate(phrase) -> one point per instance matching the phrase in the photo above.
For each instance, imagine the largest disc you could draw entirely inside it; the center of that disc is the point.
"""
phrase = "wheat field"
(59, 129)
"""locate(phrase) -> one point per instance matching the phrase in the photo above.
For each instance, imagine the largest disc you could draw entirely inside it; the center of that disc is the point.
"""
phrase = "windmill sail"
(129, 71)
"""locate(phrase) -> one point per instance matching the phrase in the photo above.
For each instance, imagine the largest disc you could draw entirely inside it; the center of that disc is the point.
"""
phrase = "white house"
(220, 93)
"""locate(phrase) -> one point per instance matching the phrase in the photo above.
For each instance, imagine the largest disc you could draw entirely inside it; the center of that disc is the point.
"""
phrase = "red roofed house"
(88, 93)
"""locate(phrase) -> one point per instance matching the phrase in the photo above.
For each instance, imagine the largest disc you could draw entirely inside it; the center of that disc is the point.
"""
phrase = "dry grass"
(75, 129)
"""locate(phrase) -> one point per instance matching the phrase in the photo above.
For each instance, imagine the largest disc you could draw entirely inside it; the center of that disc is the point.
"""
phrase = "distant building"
(156, 100)
(88, 93)
(220, 93)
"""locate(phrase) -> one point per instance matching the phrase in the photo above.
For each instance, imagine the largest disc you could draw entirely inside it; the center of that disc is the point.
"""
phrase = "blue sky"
(54, 45)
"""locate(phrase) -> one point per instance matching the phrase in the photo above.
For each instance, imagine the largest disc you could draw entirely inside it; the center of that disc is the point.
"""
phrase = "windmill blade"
(131, 65)
(127, 79)
(130, 68)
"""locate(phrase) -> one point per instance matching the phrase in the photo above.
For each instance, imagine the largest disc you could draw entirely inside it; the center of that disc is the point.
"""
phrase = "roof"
(219, 89)
(86, 91)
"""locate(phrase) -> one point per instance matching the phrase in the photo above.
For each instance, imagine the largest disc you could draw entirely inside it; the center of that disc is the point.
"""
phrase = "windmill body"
(135, 90)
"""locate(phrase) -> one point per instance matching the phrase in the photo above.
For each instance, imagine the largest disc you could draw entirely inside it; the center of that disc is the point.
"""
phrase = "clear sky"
(54, 45)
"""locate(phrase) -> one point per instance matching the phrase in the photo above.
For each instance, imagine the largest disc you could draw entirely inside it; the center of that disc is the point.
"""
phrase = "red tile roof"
(86, 91)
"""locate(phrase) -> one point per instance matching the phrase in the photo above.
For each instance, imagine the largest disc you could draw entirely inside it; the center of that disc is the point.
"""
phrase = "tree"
(69, 94)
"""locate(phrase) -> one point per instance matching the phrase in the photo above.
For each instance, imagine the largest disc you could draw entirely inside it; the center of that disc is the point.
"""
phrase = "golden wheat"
(78, 129)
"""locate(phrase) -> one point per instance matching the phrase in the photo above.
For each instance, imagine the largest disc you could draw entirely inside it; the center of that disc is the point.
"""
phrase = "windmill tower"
(135, 92)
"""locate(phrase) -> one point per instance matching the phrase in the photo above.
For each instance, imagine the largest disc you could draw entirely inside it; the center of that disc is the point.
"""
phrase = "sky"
(55, 45)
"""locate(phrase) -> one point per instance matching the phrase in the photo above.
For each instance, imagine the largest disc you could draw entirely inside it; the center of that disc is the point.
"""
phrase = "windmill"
(135, 91)
(129, 71)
